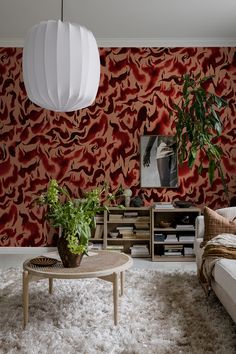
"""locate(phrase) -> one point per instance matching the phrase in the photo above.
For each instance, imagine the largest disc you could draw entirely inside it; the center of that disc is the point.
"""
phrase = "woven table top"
(99, 263)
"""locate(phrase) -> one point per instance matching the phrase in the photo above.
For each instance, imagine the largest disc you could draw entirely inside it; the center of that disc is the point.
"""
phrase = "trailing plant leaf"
(192, 156)
(211, 170)
(197, 125)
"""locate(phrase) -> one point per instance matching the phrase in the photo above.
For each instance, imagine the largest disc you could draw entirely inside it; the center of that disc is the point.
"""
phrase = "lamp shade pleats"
(61, 66)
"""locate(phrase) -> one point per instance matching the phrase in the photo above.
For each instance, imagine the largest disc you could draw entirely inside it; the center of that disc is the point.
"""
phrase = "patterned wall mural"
(102, 143)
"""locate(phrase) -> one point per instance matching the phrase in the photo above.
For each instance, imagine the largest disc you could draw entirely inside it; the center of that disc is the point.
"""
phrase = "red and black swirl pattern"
(102, 143)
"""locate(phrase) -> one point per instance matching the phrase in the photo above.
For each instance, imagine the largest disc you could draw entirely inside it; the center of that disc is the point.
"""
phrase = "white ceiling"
(128, 22)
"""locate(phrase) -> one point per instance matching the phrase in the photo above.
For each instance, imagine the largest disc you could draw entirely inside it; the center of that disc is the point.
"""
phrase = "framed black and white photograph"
(158, 155)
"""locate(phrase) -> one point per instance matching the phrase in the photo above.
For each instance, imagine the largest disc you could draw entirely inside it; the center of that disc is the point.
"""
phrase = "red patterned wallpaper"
(101, 143)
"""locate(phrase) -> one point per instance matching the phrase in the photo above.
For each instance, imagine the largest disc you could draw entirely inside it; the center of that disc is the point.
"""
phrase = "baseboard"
(26, 250)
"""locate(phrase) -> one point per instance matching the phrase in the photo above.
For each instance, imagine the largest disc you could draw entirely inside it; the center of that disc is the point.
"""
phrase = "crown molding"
(11, 42)
(167, 42)
(144, 42)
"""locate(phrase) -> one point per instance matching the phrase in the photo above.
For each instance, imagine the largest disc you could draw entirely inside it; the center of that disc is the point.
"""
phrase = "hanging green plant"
(198, 124)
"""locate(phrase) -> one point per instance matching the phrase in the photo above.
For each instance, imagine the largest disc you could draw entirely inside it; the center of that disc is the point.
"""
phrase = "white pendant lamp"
(61, 66)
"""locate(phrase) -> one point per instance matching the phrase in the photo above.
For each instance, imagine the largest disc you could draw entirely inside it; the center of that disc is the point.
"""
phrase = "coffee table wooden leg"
(115, 297)
(25, 297)
(50, 283)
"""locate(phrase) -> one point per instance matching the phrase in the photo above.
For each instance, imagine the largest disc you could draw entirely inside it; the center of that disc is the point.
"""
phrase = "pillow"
(216, 224)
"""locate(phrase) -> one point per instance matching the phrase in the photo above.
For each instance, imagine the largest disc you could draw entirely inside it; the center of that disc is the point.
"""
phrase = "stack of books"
(142, 230)
(118, 248)
(126, 232)
(142, 226)
(144, 234)
(159, 237)
(98, 234)
(188, 251)
(96, 247)
(130, 214)
(171, 238)
(99, 219)
(115, 217)
(139, 251)
(163, 205)
(173, 250)
(136, 219)
(185, 227)
(186, 238)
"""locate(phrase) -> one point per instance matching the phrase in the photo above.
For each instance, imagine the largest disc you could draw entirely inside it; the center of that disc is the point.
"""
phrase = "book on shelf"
(189, 239)
(142, 226)
(142, 231)
(146, 254)
(97, 246)
(115, 217)
(142, 236)
(184, 226)
(115, 248)
(159, 237)
(164, 205)
(130, 214)
(188, 251)
(127, 236)
(173, 250)
(173, 253)
(126, 233)
(99, 219)
(135, 220)
(171, 237)
(125, 228)
(142, 219)
(98, 231)
(139, 251)
(129, 220)
(173, 247)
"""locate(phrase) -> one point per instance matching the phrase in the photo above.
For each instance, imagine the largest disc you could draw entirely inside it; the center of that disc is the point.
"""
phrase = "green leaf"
(220, 102)
(211, 170)
(200, 168)
(218, 124)
(223, 180)
(192, 157)
(205, 78)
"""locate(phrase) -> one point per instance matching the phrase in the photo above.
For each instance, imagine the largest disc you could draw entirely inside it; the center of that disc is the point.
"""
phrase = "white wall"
(15, 256)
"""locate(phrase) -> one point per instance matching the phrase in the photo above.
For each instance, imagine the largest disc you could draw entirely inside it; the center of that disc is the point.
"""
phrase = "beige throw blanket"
(221, 246)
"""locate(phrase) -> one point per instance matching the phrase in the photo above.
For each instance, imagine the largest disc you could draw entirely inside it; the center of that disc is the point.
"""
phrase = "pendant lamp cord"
(62, 10)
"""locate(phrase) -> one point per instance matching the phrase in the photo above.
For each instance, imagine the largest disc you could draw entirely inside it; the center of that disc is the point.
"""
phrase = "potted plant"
(75, 217)
(198, 124)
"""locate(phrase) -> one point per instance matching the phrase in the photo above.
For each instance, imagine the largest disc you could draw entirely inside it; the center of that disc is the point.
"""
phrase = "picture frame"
(158, 161)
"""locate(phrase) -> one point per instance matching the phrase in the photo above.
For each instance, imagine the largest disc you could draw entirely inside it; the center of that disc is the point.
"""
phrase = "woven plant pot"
(69, 260)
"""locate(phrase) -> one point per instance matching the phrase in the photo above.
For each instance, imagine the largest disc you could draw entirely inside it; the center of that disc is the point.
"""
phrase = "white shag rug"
(161, 313)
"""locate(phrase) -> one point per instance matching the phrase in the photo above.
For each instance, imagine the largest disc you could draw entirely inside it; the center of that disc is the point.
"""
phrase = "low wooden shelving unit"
(162, 234)
(172, 232)
(132, 226)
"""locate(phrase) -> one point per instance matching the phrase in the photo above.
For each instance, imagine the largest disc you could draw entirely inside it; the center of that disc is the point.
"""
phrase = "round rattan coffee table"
(105, 265)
